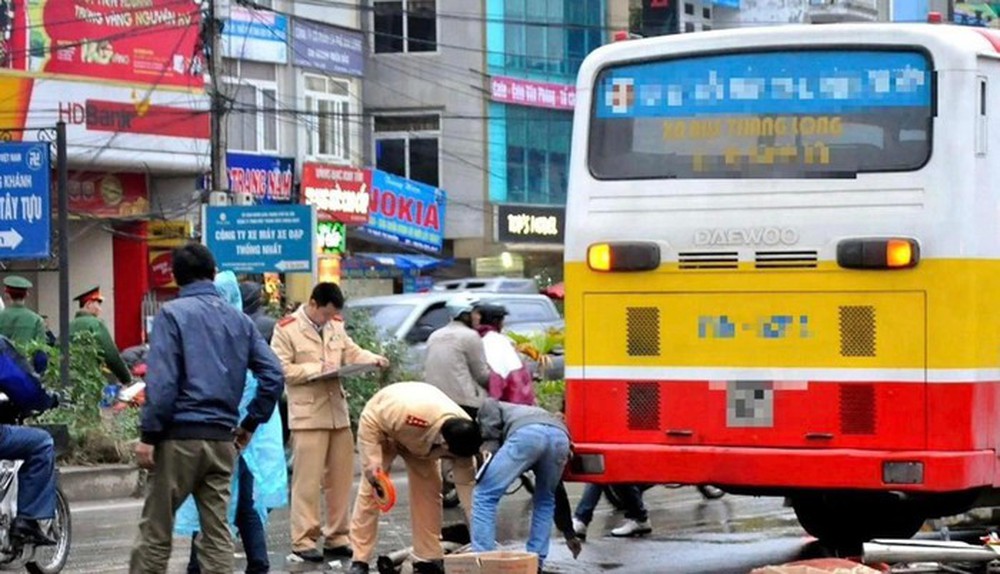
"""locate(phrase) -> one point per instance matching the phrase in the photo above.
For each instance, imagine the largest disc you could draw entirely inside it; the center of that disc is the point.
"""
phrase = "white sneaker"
(579, 528)
(632, 528)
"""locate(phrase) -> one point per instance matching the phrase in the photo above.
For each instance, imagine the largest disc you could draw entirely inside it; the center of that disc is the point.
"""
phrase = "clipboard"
(345, 371)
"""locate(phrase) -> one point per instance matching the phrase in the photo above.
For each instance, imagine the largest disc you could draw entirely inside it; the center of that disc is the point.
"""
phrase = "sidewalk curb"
(117, 481)
(96, 483)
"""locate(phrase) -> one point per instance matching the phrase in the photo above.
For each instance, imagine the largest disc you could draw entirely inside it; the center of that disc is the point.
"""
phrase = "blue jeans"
(537, 447)
(248, 523)
(36, 494)
(630, 496)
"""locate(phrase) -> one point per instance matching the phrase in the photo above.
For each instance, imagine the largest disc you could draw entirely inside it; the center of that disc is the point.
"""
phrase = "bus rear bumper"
(783, 468)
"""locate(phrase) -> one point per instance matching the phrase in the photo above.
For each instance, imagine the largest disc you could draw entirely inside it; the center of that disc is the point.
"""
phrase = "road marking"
(106, 505)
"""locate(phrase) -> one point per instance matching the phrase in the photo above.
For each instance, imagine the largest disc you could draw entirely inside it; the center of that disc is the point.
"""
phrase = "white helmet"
(461, 304)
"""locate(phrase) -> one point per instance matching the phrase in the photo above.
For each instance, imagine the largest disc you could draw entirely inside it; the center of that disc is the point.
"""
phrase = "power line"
(457, 16)
(400, 36)
(441, 150)
(77, 21)
(149, 92)
(131, 33)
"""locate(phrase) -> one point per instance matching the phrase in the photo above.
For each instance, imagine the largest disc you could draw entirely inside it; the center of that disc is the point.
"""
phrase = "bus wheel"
(844, 521)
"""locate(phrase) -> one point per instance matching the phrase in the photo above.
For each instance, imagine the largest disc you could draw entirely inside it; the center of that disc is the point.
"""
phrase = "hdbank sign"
(406, 211)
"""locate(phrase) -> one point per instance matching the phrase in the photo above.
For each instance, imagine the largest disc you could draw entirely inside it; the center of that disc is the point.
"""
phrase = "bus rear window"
(803, 114)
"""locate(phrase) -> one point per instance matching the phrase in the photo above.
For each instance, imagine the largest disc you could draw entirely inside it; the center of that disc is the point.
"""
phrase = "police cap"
(17, 282)
(91, 294)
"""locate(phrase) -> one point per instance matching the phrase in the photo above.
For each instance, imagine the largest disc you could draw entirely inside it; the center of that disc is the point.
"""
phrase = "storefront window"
(547, 39)
(537, 149)
(407, 146)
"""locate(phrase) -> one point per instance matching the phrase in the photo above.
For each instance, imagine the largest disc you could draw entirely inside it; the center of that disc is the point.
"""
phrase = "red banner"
(151, 42)
(145, 118)
(339, 193)
(108, 195)
(161, 269)
(529, 93)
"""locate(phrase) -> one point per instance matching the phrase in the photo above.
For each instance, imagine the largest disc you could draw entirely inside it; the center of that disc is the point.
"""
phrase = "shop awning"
(401, 261)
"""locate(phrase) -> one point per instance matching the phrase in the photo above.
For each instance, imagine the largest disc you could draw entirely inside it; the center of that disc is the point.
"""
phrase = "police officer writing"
(18, 323)
(308, 343)
(88, 320)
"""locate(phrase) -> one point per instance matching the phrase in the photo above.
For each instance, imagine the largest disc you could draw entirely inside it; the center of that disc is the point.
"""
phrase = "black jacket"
(253, 306)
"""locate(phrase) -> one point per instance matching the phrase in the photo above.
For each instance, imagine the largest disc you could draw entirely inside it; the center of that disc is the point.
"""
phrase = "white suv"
(413, 317)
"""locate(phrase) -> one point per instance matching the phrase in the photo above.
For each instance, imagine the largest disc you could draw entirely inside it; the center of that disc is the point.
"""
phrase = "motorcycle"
(37, 560)
(134, 395)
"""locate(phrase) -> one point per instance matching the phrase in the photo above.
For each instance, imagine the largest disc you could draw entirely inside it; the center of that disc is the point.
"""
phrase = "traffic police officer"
(17, 322)
(88, 320)
(309, 342)
(420, 424)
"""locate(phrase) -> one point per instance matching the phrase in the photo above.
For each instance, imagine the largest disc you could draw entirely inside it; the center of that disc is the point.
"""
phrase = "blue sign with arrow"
(262, 238)
(25, 216)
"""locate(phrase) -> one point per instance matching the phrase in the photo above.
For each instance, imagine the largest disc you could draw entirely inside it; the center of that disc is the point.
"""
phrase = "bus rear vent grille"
(643, 324)
(857, 408)
(644, 406)
(857, 331)
(709, 260)
(786, 259)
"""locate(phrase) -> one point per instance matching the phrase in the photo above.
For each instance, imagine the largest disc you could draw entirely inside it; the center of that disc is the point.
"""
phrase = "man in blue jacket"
(200, 350)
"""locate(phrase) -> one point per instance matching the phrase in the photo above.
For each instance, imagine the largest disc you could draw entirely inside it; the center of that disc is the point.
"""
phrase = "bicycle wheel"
(52, 559)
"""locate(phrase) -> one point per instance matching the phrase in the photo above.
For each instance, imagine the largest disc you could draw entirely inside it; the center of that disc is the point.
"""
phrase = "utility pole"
(213, 42)
(62, 175)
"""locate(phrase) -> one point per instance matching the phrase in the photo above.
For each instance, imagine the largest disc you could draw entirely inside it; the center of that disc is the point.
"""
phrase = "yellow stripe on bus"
(942, 314)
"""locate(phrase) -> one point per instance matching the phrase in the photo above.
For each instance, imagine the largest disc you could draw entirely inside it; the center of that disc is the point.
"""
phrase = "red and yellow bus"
(783, 269)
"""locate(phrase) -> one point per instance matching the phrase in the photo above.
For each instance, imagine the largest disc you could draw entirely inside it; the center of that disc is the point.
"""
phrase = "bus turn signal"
(888, 253)
(623, 256)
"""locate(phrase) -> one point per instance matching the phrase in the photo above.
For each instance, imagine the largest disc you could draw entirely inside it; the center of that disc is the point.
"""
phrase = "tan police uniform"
(405, 419)
(318, 417)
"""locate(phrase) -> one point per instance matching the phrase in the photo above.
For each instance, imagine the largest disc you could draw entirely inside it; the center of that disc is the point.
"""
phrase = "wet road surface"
(690, 535)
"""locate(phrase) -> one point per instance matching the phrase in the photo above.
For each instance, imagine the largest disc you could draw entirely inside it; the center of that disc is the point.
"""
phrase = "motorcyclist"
(456, 359)
(36, 495)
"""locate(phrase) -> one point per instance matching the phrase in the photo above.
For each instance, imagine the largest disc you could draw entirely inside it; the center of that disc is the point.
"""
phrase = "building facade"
(130, 86)
(534, 51)
(294, 76)
(425, 107)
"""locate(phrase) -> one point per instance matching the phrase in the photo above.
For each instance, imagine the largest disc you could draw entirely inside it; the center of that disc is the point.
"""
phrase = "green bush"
(94, 437)
(359, 389)
(550, 394)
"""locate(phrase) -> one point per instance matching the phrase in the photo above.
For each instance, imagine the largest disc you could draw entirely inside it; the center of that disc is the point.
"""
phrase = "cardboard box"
(498, 562)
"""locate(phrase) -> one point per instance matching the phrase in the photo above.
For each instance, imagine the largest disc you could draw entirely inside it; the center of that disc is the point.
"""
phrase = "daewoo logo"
(747, 236)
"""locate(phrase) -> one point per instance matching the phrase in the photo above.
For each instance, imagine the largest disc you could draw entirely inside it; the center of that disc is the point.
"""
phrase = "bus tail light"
(623, 256)
(885, 253)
